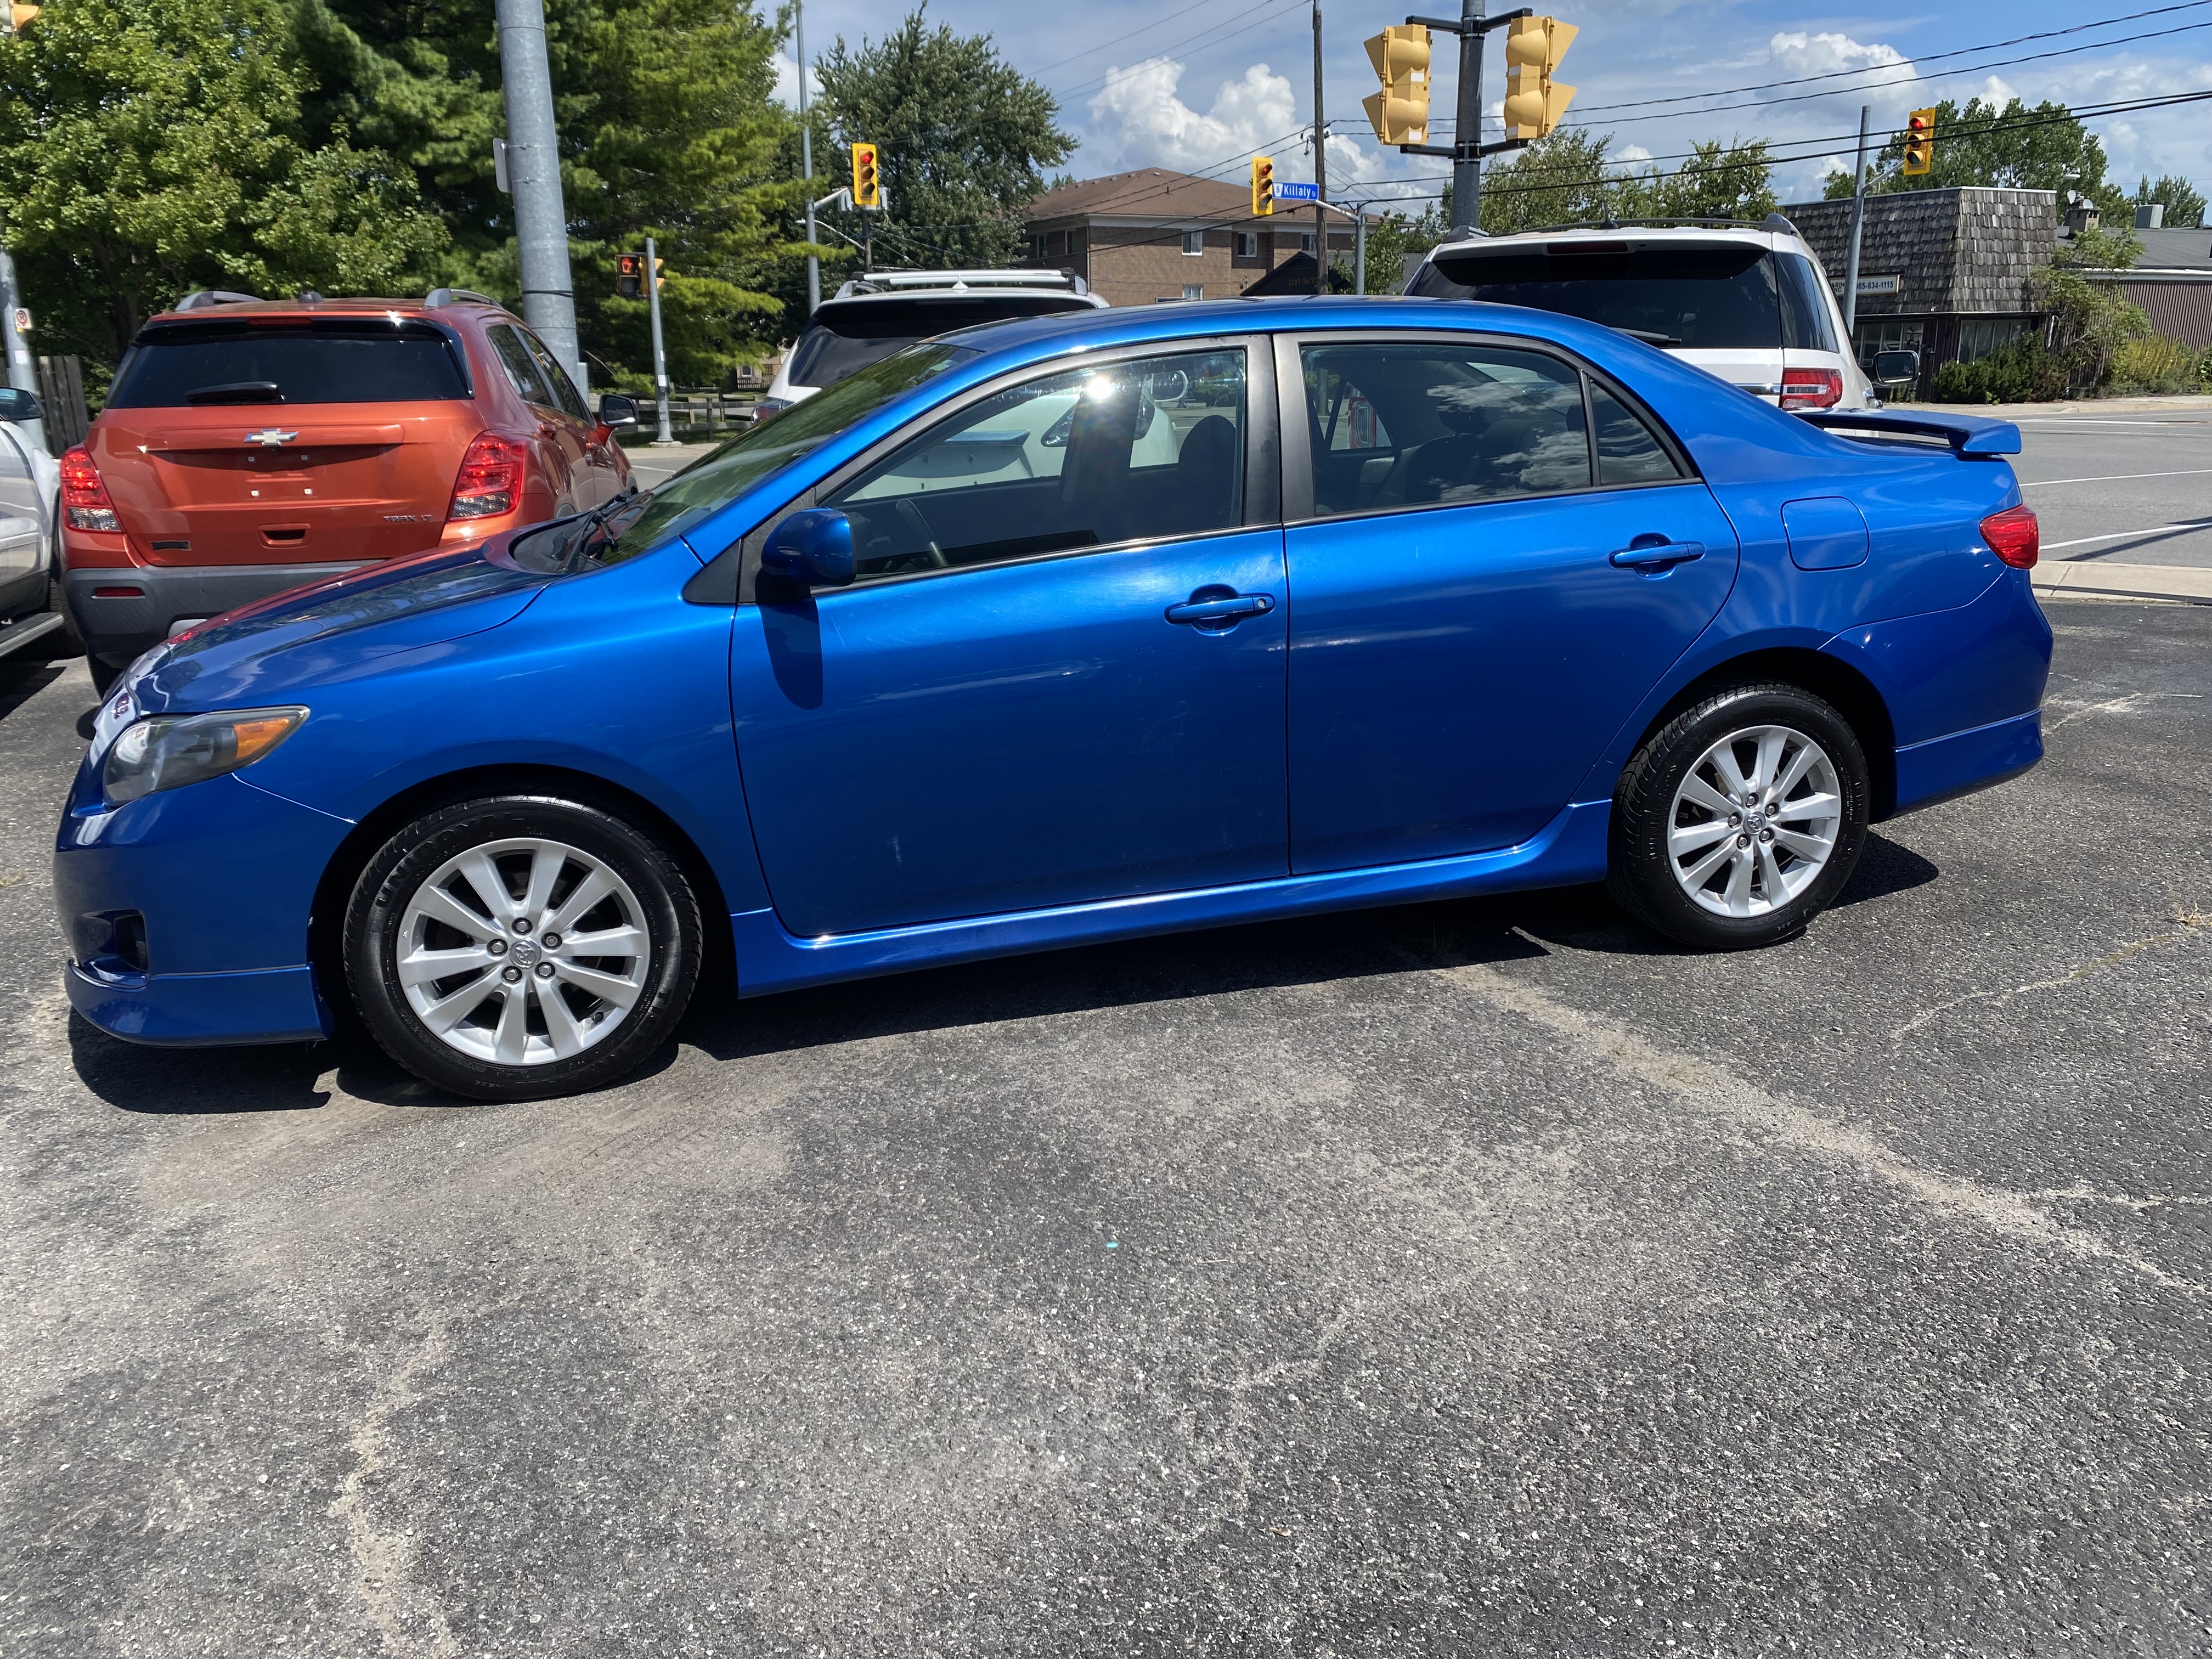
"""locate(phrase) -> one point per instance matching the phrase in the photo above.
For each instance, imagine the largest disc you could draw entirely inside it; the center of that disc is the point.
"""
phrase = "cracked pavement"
(1482, 1278)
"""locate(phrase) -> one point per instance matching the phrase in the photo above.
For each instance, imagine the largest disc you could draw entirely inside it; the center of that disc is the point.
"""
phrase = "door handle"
(1226, 609)
(1655, 553)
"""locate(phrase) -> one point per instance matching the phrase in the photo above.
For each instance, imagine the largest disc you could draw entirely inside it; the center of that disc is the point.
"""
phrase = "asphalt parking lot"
(1483, 1278)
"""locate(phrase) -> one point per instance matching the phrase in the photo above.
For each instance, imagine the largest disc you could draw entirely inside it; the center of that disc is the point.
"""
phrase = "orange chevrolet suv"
(248, 446)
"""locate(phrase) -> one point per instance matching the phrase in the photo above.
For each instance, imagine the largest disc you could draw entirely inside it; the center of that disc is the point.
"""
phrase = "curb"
(2127, 582)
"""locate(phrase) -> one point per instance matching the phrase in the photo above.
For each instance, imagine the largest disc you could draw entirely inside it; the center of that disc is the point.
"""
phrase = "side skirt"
(1569, 850)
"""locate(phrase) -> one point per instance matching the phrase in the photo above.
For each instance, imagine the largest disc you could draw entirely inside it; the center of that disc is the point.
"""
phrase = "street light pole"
(660, 357)
(1320, 167)
(533, 164)
(806, 159)
(1858, 224)
(21, 374)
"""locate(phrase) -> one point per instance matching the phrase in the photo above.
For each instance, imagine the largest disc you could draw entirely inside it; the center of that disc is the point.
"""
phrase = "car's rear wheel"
(1741, 819)
(519, 947)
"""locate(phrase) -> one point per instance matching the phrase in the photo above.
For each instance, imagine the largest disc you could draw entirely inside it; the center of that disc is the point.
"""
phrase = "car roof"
(350, 304)
(1777, 232)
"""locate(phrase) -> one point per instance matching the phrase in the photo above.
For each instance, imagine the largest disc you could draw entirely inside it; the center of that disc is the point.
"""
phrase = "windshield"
(1720, 297)
(844, 339)
(327, 361)
(714, 481)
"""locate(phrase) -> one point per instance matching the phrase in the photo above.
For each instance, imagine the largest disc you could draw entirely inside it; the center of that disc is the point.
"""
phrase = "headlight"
(166, 751)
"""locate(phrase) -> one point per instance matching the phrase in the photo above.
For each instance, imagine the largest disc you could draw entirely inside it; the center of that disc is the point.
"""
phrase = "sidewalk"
(2129, 581)
(2183, 403)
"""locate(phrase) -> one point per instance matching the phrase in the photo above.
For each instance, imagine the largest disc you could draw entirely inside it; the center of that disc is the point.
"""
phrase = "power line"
(1220, 32)
(1181, 14)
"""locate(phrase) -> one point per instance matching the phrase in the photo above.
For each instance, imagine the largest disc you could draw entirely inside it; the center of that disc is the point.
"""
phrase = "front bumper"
(187, 912)
(160, 597)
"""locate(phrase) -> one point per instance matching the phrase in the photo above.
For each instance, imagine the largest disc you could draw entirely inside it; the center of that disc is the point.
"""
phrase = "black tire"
(665, 909)
(105, 673)
(1641, 870)
(68, 643)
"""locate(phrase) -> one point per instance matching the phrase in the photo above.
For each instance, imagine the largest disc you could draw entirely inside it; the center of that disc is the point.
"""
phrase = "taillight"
(2013, 536)
(1812, 388)
(490, 478)
(84, 497)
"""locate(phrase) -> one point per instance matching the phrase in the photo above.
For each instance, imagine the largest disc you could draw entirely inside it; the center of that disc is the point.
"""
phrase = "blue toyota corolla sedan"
(1061, 630)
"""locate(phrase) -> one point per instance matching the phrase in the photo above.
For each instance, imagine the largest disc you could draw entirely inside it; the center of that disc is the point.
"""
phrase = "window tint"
(521, 367)
(1124, 451)
(1628, 450)
(552, 375)
(1721, 296)
(329, 361)
(1412, 425)
(1805, 323)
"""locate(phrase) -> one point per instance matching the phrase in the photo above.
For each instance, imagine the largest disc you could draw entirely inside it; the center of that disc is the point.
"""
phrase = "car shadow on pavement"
(279, 1078)
(20, 682)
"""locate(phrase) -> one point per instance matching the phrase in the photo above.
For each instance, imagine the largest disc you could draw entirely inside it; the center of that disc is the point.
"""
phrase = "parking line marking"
(2117, 478)
(2093, 420)
(2122, 535)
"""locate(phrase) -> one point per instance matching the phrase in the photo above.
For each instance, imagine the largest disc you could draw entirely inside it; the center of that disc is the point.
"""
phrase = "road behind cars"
(2129, 486)
(1471, 1278)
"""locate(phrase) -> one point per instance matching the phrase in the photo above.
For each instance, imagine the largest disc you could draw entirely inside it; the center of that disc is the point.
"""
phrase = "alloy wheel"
(1755, 821)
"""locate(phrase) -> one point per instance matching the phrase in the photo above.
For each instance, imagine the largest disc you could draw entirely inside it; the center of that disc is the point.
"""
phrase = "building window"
(1194, 241)
(1886, 334)
(1194, 290)
(1982, 335)
(1306, 243)
(1247, 243)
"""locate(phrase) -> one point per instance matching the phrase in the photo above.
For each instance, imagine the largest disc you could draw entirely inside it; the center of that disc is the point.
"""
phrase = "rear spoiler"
(1969, 434)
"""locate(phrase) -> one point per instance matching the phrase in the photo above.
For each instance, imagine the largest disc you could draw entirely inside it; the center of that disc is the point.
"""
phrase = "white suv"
(1746, 302)
(873, 316)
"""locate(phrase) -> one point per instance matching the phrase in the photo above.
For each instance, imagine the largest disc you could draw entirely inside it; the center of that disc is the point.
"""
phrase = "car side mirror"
(813, 546)
(16, 405)
(616, 412)
(1890, 367)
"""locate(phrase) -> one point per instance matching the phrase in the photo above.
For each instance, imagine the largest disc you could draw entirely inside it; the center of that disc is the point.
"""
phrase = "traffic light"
(1919, 143)
(1263, 186)
(629, 275)
(867, 188)
(1400, 113)
(1533, 101)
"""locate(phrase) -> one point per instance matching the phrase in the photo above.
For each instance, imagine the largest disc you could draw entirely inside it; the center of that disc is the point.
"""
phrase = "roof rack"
(1771, 221)
(907, 281)
(200, 298)
(466, 296)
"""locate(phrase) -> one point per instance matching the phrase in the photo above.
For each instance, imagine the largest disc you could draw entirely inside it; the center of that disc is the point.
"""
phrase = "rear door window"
(1719, 297)
(1805, 322)
(552, 375)
(1628, 450)
(521, 367)
(323, 361)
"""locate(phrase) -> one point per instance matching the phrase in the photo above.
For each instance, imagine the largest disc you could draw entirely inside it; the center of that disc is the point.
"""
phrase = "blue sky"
(1189, 83)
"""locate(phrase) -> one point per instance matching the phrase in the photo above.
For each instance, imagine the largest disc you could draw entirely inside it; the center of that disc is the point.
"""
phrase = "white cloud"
(786, 82)
(1631, 153)
(1147, 123)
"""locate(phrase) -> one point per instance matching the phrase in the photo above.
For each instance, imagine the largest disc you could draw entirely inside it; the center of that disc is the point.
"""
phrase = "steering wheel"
(911, 515)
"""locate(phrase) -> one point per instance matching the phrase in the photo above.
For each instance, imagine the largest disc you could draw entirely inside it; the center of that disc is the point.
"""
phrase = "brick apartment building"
(1142, 237)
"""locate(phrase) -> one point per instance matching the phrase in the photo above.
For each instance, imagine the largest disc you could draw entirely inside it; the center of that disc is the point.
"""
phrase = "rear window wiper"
(1650, 337)
(238, 392)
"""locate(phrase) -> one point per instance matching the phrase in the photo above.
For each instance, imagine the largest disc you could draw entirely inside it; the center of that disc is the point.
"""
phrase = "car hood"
(260, 652)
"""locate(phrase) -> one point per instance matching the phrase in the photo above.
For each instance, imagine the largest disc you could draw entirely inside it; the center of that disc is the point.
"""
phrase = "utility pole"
(21, 374)
(1360, 251)
(1858, 223)
(1467, 134)
(806, 159)
(533, 163)
(1320, 167)
(660, 357)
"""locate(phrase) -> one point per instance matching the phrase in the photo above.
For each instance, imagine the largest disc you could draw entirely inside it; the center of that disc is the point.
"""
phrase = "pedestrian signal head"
(1263, 186)
(868, 186)
(1919, 143)
(1400, 113)
(629, 275)
(1534, 102)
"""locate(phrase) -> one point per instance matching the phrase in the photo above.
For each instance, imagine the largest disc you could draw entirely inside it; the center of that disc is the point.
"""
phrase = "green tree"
(2012, 145)
(2184, 204)
(668, 128)
(1731, 180)
(963, 139)
(1559, 180)
(150, 147)
(1392, 237)
(2089, 320)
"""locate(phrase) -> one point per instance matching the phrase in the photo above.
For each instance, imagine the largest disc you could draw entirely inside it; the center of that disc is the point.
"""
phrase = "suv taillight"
(84, 497)
(1811, 388)
(490, 478)
(2013, 536)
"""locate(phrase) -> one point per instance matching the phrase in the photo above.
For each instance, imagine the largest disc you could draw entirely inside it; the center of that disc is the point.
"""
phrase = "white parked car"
(873, 316)
(1749, 302)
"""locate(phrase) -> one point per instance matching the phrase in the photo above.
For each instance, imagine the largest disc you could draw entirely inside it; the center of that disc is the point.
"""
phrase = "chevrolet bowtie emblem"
(270, 438)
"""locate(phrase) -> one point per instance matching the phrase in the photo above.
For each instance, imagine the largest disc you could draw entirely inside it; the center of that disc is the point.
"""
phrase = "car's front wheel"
(521, 946)
(1741, 820)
